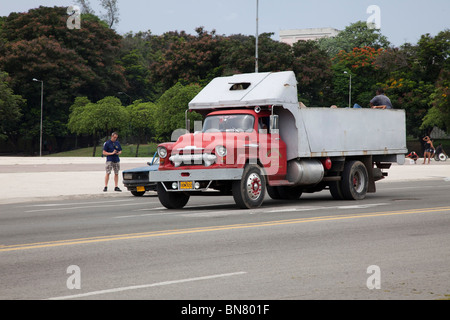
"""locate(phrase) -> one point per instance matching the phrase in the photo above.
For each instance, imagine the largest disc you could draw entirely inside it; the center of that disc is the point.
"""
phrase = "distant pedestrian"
(380, 101)
(112, 149)
(413, 156)
(428, 149)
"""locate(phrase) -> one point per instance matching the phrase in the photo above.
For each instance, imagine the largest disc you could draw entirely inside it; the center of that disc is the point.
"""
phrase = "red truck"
(256, 138)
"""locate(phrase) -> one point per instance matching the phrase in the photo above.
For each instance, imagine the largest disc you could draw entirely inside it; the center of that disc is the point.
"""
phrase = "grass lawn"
(145, 150)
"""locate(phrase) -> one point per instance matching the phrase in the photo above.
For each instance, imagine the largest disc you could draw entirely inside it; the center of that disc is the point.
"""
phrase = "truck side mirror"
(187, 121)
(274, 125)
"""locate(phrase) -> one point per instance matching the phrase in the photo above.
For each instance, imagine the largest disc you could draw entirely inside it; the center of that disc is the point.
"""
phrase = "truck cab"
(229, 141)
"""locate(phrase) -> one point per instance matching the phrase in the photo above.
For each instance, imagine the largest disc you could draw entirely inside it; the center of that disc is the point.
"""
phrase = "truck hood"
(207, 142)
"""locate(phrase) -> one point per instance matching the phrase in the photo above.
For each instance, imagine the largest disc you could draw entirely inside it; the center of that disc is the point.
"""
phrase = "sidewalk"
(38, 178)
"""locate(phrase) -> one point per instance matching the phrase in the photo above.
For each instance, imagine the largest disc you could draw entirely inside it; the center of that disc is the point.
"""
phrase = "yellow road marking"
(142, 235)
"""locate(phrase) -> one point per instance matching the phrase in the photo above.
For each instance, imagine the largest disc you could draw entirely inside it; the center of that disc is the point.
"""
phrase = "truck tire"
(355, 181)
(250, 191)
(335, 190)
(137, 193)
(171, 200)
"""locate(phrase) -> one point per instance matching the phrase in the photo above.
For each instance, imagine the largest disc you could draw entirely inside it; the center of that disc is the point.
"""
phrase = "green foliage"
(38, 44)
(356, 35)
(433, 55)
(137, 73)
(436, 53)
(104, 117)
(171, 109)
(142, 119)
(360, 64)
(314, 74)
(439, 114)
(10, 108)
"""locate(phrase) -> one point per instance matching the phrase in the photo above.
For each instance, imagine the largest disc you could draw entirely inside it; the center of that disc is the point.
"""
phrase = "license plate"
(140, 189)
(186, 185)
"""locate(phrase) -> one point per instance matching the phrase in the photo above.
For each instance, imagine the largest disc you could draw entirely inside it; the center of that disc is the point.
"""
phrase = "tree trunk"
(95, 145)
(137, 150)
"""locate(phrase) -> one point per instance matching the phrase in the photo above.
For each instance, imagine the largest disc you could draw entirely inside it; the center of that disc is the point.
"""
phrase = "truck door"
(272, 150)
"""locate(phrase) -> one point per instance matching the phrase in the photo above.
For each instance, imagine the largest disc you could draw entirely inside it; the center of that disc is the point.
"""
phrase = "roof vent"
(240, 86)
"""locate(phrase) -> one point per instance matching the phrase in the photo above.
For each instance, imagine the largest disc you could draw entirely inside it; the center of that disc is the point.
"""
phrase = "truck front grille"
(204, 159)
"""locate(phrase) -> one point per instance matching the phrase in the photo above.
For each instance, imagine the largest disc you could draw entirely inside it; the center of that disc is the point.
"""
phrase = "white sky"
(401, 20)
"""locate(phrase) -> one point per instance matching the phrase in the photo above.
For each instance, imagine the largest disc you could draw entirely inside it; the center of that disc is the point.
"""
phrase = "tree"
(312, 67)
(433, 55)
(360, 63)
(189, 59)
(137, 75)
(356, 35)
(439, 114)
(238, 54)
(142, 118)
(85, 6)
(10, 108)
(112, 12)
(71, 63)
(416, 79)
(171, 109)
(97, 119)
(111, 16)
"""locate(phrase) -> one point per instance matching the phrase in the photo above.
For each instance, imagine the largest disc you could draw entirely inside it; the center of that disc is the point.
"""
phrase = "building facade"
(292, 36)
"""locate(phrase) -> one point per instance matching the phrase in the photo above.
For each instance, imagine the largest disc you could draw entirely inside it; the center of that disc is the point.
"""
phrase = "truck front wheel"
(171, 200)
(250, 191)
(355, 181)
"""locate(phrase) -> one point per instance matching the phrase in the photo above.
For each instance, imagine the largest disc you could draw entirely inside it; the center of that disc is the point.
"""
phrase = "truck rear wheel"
(335, 190)
(171, 200)
(355, 181)
(249, 192)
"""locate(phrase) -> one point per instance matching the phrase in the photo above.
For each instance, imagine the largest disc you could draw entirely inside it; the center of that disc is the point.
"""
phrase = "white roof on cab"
(251, 89)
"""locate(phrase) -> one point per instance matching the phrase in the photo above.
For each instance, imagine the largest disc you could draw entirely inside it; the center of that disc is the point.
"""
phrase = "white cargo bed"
(324, 132)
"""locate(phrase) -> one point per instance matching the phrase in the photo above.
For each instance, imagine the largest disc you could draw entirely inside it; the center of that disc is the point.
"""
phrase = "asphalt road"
(395, 244)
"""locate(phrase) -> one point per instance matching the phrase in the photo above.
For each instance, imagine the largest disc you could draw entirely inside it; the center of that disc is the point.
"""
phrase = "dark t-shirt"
(110, 146)
(381, 100)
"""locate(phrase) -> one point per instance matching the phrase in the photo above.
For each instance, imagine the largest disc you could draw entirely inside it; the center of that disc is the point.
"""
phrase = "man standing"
(112, 150)
(380, 101)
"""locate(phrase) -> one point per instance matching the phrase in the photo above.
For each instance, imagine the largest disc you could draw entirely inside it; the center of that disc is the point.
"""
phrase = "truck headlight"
(162, 152)
(221, 151)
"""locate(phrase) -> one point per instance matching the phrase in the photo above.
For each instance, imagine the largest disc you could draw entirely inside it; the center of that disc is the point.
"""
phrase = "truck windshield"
(229, 123)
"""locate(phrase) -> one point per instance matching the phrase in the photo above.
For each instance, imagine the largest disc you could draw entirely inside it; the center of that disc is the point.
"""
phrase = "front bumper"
(194, 180)
(196, 175)
(135, 185)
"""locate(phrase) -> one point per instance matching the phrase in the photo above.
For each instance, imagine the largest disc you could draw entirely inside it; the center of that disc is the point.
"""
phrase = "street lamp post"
(349, 89)
(257, 36)
(42, 110)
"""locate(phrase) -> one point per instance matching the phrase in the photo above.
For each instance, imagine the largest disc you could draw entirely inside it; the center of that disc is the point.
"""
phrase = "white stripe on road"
(295, 209)
(163, 211)
(73, 203)
(86, 207)
(158, 284)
